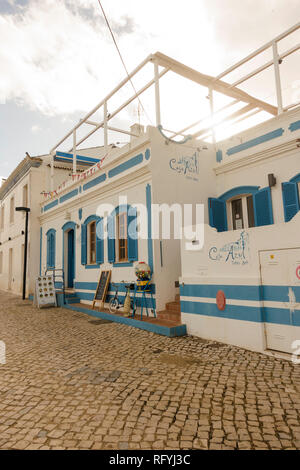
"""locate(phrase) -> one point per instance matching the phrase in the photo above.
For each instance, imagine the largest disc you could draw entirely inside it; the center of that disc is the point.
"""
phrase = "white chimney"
(137, 130)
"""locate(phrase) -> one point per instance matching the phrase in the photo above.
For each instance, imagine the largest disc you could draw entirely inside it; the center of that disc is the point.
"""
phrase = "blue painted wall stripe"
(149, 215)
(294, 126)
(239, 292)
(253, 142)
(281, 316)
(94, 182)
(279, 293)
(231, 292)
(68, 196)
(69, 156)
(126, 165)
(232, 312)
(50, 205)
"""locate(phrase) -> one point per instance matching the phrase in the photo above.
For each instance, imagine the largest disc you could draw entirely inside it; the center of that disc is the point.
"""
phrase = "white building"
(144, 172)
(243, 285)
(24, 187)
(238, 180)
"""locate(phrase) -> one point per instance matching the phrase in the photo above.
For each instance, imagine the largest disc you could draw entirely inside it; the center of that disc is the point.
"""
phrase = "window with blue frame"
(122, 235)
(92, 244)
(240, 208)
(290, 197)
(51, 246)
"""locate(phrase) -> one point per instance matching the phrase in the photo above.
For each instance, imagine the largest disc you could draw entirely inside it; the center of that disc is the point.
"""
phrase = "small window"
(241, 212)
(12, 210)
(2, 218)
(25, 196)
(92, 243)
(122, 245)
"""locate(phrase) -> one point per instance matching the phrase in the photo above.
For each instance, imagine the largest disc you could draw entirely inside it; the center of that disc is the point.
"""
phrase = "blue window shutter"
(217, 214)
(99, 242)
(132, 234)
(262, 203)
(111, 239)
(52, 250)
(290, 198)
(48, 251)
(83, 244)
(51, 246)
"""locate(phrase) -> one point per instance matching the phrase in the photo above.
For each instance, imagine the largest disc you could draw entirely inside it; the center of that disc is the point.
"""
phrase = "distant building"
(25, 187)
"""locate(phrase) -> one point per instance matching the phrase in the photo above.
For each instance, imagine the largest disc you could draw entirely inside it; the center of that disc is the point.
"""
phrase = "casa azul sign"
(186, 166)
(236, 252)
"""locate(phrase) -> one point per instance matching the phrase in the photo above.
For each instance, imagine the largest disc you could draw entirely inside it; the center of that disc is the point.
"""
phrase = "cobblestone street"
(72, 381)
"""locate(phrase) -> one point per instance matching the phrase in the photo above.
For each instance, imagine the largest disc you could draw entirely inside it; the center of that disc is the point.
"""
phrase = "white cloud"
(35, 128)
(59, 58)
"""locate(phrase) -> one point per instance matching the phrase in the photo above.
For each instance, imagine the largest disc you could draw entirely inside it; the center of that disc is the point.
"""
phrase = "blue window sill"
(122, 265)
(92, 266)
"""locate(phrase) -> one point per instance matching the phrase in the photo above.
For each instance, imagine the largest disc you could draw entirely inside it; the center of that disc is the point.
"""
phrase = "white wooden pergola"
(162, 65)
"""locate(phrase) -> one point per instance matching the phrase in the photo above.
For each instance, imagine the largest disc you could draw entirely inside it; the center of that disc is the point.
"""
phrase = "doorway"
(70, 258)
(10, 268)
(280, 278)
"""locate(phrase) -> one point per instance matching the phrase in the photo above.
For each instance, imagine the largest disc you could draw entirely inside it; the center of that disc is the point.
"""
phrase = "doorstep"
(154, 325)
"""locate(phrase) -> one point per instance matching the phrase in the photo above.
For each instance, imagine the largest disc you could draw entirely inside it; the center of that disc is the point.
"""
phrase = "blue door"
(71, 258)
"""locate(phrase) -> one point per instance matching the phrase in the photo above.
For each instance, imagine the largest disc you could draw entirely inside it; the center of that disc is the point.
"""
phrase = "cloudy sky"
(57, 59)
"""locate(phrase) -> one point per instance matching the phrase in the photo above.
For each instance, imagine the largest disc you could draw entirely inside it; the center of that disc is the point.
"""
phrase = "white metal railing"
(252, 104)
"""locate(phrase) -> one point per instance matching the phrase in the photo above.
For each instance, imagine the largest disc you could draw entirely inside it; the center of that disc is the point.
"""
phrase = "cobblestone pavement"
(75, 382)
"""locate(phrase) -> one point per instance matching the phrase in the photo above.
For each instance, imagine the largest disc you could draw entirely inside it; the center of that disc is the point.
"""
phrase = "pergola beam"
(211, 82)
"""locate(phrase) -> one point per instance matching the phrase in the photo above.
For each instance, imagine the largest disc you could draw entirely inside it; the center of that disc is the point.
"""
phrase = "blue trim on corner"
(253, 142)
(50, 205)
(294, 126)
(147, 154)
(94, 182)
(68, 196)
(149, 212)
(219, 156)
(41, 249)
(126, 165)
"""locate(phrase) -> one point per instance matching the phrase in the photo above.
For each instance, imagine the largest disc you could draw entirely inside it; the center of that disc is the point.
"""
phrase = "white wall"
(179, 186)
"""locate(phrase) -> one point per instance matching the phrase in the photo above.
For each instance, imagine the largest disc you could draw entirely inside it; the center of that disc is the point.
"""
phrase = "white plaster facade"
(146, 162)
(262, 289)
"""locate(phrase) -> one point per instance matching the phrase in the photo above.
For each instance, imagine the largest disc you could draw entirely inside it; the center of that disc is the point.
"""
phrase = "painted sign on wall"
(186, 166)
(236, 252)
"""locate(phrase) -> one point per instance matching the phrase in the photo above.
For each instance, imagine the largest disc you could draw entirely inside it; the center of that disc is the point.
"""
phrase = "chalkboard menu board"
(102, 287)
